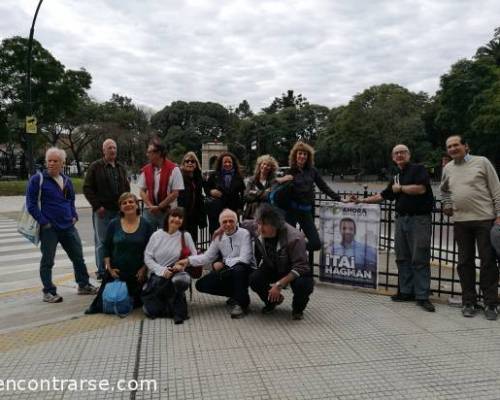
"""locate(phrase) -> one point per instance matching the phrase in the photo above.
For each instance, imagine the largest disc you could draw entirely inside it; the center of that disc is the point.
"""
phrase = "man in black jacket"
(281, 256)
(105, 181)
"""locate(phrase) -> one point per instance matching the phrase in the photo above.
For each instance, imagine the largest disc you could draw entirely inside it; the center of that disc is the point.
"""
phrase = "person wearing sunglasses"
(192, 198)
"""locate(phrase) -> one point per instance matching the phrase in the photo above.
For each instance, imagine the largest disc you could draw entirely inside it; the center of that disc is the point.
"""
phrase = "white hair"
(109, 140)
(56, 150)
(229, 212)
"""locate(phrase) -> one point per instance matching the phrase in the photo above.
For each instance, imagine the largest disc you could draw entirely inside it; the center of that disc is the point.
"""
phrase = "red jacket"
(165, 173)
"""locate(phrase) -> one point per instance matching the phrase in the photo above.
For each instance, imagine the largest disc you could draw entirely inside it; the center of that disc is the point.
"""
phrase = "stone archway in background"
(209, 153)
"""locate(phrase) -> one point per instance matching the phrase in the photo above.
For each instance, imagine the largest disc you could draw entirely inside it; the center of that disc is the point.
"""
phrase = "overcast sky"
(159, 51)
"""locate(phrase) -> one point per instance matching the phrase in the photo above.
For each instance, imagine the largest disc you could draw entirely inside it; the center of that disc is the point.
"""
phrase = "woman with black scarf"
(225, 187)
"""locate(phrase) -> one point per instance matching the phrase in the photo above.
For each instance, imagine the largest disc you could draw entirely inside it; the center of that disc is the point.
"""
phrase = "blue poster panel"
(350, 236)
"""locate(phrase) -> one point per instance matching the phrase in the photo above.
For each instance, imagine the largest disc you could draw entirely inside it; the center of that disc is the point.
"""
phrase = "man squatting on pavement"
(232, 260)
(280, 252)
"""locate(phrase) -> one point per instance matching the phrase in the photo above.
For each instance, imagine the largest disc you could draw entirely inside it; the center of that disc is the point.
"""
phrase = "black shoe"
(469, 310)
(178, 320)
(268, 308)
(399, 297)
(231, 302)
(297, 315)
(91, 310)
(491, 313)
(426, 305)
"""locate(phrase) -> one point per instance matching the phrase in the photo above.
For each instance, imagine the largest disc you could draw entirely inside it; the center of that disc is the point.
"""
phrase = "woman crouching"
(164, 294)
(124, 244)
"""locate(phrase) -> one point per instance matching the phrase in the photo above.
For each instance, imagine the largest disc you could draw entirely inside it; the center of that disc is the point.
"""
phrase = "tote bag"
(26, 224)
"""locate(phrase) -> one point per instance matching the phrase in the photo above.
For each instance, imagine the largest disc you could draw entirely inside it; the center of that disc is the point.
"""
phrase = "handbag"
(26, 224)
(194, 272)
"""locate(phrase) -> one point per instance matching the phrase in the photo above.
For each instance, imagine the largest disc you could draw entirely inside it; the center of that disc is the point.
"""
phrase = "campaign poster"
(350, 237)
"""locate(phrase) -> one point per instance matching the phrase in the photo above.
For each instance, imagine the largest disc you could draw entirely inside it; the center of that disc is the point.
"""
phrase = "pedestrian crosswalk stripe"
(11, 235)
(25, 245)
(15, 257)
(63, 262)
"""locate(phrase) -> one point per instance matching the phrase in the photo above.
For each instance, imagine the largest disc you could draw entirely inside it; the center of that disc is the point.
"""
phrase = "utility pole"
(30, 123)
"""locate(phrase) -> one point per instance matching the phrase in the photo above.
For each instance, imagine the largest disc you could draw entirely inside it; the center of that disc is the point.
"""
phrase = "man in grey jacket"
(231, 256)
(281, 255)
(470, 192)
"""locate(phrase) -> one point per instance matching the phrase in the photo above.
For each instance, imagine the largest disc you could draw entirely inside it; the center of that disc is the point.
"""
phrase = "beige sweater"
(472, 188)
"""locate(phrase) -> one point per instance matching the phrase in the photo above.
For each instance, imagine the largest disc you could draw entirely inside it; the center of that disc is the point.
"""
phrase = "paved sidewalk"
(350, 345)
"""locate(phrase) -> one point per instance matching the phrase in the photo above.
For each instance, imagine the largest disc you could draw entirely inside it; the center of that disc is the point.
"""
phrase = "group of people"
(155, 251)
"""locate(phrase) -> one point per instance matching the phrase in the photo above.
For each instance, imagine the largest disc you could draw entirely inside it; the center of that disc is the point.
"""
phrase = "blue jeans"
(100, 228)
(155, 220)
(413, 254)
(72, 245)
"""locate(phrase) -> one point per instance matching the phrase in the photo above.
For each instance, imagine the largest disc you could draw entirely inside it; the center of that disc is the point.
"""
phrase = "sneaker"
(297, 316)
(426, 305)
(237, 311)
(491, 313)
(87, 289)
(469, 310)
(399, 297)
(52, 298)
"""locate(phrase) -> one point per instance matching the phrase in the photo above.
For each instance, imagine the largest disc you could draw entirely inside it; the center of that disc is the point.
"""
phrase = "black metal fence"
(444, 278)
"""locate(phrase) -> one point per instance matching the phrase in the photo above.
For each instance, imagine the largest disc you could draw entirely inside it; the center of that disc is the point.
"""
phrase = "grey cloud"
(157, 51)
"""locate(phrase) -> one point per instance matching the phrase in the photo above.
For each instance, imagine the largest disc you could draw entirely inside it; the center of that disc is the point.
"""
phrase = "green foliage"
(362, 134)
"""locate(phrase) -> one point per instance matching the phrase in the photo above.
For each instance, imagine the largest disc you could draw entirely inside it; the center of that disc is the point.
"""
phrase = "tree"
(491, 50)
(55, 90)
(362, 134)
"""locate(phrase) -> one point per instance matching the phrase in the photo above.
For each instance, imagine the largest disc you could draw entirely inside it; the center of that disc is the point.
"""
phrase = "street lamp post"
(29, 105)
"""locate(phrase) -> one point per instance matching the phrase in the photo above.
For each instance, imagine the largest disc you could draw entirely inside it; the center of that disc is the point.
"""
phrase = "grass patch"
(18, 188)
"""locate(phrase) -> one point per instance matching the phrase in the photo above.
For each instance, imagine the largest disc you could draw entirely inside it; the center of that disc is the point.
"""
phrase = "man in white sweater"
(470, 193)
(232, 259)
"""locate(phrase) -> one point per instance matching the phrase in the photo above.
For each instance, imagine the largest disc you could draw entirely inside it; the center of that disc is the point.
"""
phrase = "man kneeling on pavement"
(280, 251)
(232, 260)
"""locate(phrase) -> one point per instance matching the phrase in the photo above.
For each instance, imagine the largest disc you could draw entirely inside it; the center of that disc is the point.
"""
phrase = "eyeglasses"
(189, 162)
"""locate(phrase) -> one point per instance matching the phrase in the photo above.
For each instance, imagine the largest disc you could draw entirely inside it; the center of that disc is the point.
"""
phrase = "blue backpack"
(115, 299)
(279, 196)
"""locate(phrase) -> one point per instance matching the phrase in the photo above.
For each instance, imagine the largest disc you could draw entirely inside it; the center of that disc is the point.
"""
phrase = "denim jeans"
(72, 245)
(232, 282)
(155, 220)
(413, 254)
(306, 222)
(100, 227)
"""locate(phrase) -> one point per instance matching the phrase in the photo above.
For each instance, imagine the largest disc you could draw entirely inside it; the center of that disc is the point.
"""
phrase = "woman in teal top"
(124, 245)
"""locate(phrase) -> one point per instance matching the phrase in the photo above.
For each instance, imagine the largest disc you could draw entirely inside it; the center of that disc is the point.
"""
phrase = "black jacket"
(232, 197)
(191, 198)
(302, 190)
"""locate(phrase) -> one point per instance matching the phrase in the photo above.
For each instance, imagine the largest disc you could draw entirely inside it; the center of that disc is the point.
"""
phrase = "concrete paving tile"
(378, 348)
(425, 344)
(247, 386)
(297, 383)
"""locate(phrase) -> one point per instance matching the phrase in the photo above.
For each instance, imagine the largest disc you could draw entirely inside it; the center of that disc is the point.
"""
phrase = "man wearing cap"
(470, 192)
(412, 191)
